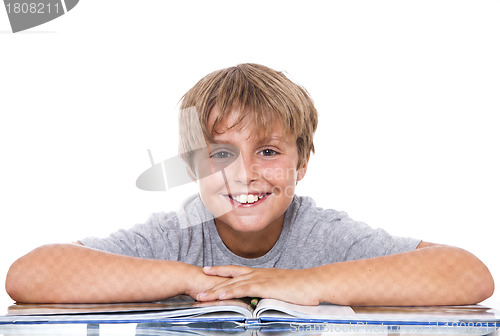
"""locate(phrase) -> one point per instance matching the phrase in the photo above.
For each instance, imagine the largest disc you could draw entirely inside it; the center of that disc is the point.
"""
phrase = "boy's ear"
(301, 172)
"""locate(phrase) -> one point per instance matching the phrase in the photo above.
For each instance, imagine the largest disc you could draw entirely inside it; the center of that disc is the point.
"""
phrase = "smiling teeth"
(246, 198)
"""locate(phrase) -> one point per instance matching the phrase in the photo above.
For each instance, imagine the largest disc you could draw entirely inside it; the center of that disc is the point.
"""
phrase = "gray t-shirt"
(311, 236)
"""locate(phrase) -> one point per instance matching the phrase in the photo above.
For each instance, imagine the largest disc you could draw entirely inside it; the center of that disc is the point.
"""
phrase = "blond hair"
(263, 94)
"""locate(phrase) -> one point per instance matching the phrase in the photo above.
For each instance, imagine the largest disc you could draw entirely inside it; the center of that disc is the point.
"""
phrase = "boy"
(247, 234)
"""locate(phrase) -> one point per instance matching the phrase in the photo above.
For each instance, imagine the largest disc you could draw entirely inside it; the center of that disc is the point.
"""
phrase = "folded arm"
(73, 273)
(430, 275)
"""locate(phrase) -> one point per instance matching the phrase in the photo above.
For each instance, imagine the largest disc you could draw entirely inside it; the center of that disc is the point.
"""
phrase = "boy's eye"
(221, 155)
(268, 152)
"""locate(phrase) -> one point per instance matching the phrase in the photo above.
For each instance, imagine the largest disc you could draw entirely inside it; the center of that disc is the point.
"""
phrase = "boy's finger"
(226, 271)
(228, 291)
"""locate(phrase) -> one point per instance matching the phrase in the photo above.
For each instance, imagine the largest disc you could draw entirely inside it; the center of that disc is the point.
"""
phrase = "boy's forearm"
(72, 273)
(439, 275)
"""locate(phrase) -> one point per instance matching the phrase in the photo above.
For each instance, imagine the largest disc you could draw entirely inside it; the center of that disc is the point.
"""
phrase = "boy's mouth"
(248, 198)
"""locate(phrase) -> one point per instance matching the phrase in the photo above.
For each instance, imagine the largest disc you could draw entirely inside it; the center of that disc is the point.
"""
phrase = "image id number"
(32, 8)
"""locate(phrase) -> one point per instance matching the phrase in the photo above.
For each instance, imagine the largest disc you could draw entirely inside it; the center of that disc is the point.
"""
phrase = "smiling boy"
(258, 188)
(247, 233)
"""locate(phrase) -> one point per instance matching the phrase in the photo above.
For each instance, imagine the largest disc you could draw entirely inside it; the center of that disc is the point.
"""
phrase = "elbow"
(14, 285)
(480, 280)
(487, 286)
(25, 278)
(471, 280)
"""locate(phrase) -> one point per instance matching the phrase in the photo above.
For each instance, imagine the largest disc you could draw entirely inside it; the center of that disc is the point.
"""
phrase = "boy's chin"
(248, 224)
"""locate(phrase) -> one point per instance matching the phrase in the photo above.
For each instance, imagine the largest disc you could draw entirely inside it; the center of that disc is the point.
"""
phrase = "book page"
(126, 311)
(268, 307)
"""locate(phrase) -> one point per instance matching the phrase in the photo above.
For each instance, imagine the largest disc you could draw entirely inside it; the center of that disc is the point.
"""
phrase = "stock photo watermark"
(461, 328)
(26, 14)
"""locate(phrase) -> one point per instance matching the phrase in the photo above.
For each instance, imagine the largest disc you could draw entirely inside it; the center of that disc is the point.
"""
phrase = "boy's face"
(249, 182)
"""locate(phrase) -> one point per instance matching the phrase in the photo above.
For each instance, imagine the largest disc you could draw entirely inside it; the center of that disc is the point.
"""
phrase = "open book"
(240, 312)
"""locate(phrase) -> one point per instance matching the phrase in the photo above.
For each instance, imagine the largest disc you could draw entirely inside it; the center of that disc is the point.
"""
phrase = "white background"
(407, 92)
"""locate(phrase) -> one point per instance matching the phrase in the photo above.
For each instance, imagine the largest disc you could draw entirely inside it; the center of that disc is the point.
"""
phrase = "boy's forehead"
(247, 131)
(240, 124)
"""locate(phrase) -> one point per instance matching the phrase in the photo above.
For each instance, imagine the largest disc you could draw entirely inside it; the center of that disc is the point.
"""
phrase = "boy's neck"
(250, 244)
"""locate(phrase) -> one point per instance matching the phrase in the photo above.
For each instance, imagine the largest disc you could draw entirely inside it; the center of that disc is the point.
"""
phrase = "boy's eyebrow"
(275, 138)
(217, 142)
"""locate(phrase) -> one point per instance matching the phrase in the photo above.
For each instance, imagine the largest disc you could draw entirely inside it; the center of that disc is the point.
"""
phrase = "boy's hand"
(295, 286)
(197, 281)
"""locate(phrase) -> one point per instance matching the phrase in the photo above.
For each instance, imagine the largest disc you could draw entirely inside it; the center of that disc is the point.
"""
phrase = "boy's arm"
(70, 273)
(430, 275)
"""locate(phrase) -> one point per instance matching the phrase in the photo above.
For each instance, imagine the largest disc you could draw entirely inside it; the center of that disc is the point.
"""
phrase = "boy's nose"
(244, 170)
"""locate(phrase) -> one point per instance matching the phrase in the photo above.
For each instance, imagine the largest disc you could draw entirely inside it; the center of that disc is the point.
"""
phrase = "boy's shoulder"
(304, 207)
(159, 237)
(193, 212)
(336, 233)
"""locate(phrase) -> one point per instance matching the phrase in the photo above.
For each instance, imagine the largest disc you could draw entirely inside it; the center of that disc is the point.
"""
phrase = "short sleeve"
(157, 238)
(328, 236)
(367, 242)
